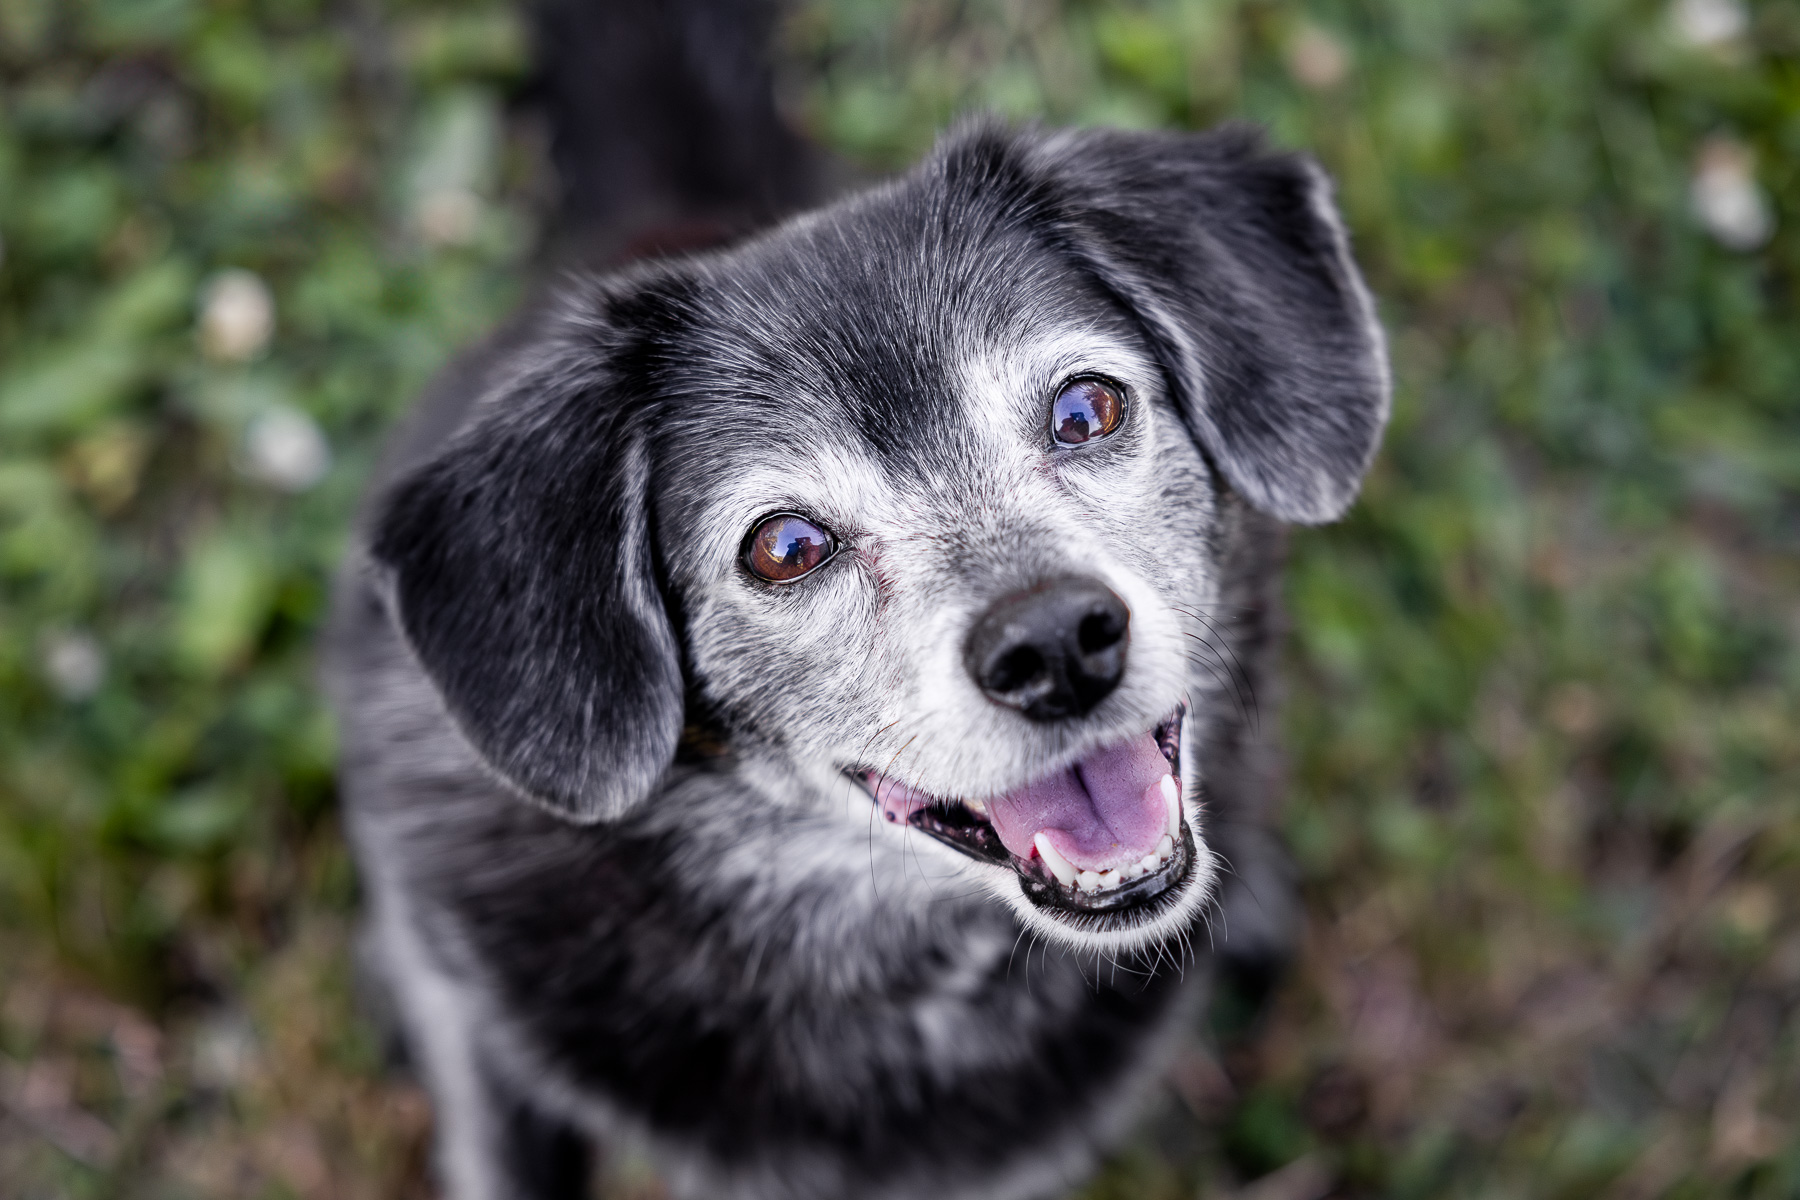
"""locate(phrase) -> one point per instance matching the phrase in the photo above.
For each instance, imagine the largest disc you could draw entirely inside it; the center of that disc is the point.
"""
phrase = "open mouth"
(1103, 835)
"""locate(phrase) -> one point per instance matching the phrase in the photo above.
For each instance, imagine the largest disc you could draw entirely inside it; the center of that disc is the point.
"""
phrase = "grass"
(1543, 689)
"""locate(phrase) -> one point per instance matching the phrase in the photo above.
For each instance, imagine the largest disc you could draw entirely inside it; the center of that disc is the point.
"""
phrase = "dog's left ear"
(1237, 264)
(519, 564)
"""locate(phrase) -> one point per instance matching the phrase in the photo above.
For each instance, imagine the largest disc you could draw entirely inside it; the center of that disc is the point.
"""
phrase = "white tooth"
(1172, 798)
(1169, 790)
(1149, 862)
(1088, 881)
(1061, 867)
(1134, 870)
(1109, 879)
(1164, 848)
(976, 806)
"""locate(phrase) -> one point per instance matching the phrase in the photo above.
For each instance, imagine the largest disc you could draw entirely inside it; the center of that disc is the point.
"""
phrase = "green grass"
(1542, 708)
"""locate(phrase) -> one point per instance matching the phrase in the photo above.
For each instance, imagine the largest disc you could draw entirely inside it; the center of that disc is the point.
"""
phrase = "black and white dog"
(793, 695)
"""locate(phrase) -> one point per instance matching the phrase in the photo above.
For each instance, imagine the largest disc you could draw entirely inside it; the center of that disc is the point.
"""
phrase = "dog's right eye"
(1086, 410)
(784, 547)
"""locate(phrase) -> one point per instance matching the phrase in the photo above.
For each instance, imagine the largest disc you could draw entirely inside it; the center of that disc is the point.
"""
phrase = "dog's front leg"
(490, 1142)
(538, 1156)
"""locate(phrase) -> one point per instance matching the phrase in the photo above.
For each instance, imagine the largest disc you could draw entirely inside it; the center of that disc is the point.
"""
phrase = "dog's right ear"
(518, 564)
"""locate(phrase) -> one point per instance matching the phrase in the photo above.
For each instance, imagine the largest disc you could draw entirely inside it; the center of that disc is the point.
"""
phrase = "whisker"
(1015, 951)
(881, 779)
(1219, 641)
(1226, 683)
(1239, 671)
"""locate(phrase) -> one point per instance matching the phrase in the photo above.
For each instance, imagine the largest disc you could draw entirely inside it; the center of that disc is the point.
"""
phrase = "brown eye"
(784, 547)
(1086, 409)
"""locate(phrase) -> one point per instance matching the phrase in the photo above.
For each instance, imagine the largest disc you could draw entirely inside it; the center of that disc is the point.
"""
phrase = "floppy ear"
(519, 568)
(1236, 262)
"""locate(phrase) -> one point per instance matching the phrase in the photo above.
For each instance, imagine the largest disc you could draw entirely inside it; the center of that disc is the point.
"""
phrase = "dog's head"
(920, 495)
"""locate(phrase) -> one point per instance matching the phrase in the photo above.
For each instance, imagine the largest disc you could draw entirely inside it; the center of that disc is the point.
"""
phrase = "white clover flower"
(448, 216)
(458, 157)
(225, 1050)
(1316, 59)
(74, 663)
(1708, 23)
(284, 448)
(237, 316)
(1724, 196)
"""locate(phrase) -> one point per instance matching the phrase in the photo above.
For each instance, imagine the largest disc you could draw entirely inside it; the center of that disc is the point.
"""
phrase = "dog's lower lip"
(965, 826)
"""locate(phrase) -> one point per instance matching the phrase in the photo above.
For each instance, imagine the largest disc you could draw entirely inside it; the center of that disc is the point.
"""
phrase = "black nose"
(1052, 652)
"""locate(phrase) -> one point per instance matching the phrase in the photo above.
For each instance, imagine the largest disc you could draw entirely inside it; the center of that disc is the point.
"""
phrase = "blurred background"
(1542, 710)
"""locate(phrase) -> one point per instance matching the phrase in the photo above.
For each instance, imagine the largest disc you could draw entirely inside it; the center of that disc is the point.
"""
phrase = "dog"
(796, 697)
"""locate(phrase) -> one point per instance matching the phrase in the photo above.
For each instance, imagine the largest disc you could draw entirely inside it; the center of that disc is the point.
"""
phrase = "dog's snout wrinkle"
(1053, 651)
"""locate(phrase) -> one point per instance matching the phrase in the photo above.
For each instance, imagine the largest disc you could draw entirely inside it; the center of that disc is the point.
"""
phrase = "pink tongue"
(1105, 811)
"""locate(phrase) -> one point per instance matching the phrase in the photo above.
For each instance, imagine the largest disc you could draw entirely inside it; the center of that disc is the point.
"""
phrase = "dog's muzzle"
(1102, 836)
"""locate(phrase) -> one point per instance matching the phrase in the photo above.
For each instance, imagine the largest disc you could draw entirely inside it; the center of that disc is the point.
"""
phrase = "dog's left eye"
(1086, 409)
(784, 547)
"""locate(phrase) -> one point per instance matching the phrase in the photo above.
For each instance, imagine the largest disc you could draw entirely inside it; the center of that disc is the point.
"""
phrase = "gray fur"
(698, 934)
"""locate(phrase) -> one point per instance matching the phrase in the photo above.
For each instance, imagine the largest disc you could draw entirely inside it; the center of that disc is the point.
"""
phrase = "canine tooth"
(1109, 878)
(1164, 848)
(1171, 792)
(976, 807)
(1061, 867)
(1088, 881)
